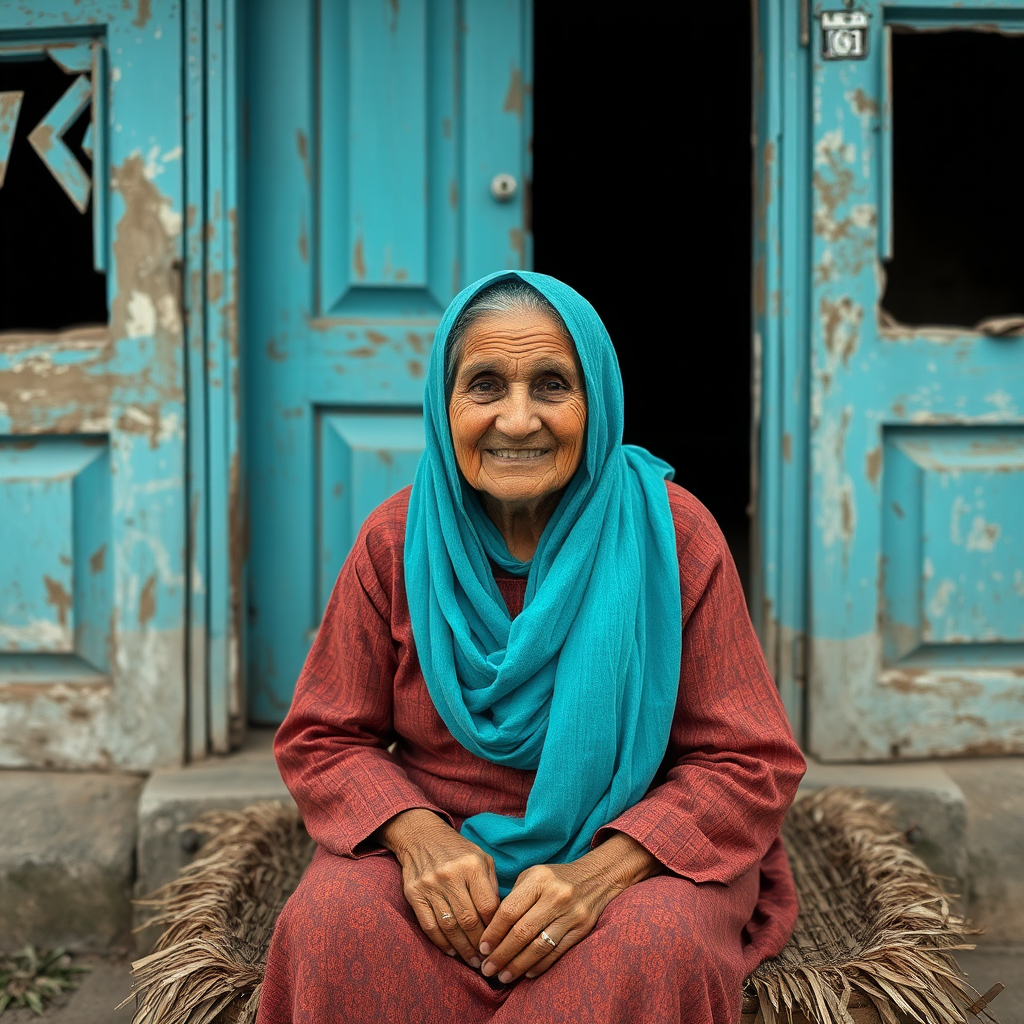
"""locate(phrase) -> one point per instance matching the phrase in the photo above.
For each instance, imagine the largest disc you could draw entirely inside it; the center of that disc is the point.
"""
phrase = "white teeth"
(518, 453)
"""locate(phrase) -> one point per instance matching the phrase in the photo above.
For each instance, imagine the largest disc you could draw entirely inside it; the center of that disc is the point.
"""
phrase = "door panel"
(364, 459)
(375, 132)
(91, 417)
(917, 448)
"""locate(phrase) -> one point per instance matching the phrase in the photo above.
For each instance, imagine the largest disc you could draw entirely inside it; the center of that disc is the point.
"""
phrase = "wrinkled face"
(518, 410)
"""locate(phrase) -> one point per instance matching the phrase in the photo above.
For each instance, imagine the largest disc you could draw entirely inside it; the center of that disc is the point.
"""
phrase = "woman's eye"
(485, 387)
(554, 386)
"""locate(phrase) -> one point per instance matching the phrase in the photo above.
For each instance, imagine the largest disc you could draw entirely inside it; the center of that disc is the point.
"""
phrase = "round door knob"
(503, 187)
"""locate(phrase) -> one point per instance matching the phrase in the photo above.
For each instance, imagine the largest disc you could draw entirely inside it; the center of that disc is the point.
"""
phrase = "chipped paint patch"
(837, 513)
(58, 596)
(98, 559)
(861, 103)
(841, 321)
(873, 465)
(983, 535)
(143, 14)
(36, 635)
(302, 144)
(359, 259)
(513, 103)
(147, 601)
(141, 319)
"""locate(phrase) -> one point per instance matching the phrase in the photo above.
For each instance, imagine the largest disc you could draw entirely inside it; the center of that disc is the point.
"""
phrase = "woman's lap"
(348, 948)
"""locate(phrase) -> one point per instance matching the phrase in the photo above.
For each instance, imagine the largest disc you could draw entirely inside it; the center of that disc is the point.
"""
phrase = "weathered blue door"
(92, 430)
(378, 136)
(916, 431)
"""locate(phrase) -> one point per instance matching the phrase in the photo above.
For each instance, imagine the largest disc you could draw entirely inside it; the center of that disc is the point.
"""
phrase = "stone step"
(173, 798)
(67, 855)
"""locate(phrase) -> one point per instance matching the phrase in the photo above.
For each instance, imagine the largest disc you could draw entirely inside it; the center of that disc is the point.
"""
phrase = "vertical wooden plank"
(333, 274)
(792, 314)
(222, 376)
(445, 194)
(215, 686)
(195, 368)
(765, 419)
(885, 250)
(237, 509)
(100, 176)
(780, 336)
(279, 342)
(493, 72)
(387, 124)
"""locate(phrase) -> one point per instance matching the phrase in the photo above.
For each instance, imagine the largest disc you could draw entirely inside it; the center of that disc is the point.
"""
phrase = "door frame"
(218, 514)
(782, 33)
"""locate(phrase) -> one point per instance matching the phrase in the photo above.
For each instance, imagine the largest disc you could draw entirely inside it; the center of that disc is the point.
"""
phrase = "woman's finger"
(483, 893)
(551, 955)
(524, 941)
(517, 903)
(428, 922)
(448, 920)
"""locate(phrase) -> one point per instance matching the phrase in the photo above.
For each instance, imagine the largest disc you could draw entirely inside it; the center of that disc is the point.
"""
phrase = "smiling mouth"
(517, 453)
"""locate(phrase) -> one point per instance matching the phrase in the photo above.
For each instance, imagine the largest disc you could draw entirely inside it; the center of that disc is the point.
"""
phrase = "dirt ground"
(108, 983)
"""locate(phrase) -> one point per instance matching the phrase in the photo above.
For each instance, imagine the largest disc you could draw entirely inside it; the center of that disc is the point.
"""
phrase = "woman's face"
(518, 410)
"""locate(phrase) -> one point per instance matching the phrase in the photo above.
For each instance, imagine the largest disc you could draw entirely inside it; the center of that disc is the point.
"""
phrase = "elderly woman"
(535, 739)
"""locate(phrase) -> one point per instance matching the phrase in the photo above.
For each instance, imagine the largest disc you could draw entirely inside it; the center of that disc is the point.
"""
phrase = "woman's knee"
(693, 927)
(338, 896)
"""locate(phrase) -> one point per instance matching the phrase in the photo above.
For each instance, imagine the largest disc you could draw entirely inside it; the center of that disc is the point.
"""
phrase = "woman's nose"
(518, 416)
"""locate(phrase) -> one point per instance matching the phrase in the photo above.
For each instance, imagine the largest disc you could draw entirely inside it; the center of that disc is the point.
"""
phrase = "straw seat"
(873, 942)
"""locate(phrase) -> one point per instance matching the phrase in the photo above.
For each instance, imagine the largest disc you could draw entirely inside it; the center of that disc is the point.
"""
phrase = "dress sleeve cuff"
(668, 835)
(342, 818)
(369, 847)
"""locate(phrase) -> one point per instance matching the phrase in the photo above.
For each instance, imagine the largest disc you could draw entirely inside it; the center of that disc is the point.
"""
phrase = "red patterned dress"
(675, 947)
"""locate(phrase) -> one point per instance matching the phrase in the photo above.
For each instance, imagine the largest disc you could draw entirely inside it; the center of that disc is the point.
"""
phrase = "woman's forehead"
(516, 336)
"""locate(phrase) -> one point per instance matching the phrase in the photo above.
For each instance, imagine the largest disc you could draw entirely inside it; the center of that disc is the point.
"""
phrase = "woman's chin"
(517, 486)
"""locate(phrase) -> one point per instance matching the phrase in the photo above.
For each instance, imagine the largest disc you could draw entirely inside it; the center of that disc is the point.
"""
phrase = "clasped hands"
(452, 887)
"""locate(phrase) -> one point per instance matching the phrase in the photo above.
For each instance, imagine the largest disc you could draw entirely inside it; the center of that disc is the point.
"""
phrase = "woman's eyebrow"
(566, 370)
(482, 366)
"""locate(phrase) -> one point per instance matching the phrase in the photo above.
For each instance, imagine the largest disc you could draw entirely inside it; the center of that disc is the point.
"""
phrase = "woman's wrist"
(621, 861)
(407, 827)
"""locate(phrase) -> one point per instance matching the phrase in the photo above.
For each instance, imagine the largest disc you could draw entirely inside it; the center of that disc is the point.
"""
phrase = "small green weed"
(34, 976)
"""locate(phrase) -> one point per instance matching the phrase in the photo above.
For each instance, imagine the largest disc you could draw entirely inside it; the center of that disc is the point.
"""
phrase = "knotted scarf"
(581, 685)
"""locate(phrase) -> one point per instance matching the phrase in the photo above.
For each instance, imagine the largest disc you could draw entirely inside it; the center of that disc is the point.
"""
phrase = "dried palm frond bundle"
(872, 944)
(219, 915)
(874, 936)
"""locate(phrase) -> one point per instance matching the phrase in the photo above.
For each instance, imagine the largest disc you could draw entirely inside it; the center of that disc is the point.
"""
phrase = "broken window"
(957, 202)
(47, 276)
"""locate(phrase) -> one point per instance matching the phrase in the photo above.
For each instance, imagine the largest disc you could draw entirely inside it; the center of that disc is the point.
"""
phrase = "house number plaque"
(844, 35)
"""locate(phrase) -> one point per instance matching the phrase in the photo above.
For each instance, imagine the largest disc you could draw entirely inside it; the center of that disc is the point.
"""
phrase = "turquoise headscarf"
(581, 686)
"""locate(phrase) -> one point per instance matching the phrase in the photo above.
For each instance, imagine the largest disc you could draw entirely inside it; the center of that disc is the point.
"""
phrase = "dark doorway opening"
(958, 208)
(642, 202)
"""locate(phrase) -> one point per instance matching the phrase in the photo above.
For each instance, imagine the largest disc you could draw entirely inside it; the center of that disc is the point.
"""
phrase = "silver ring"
(444, 917)
(547, 938)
